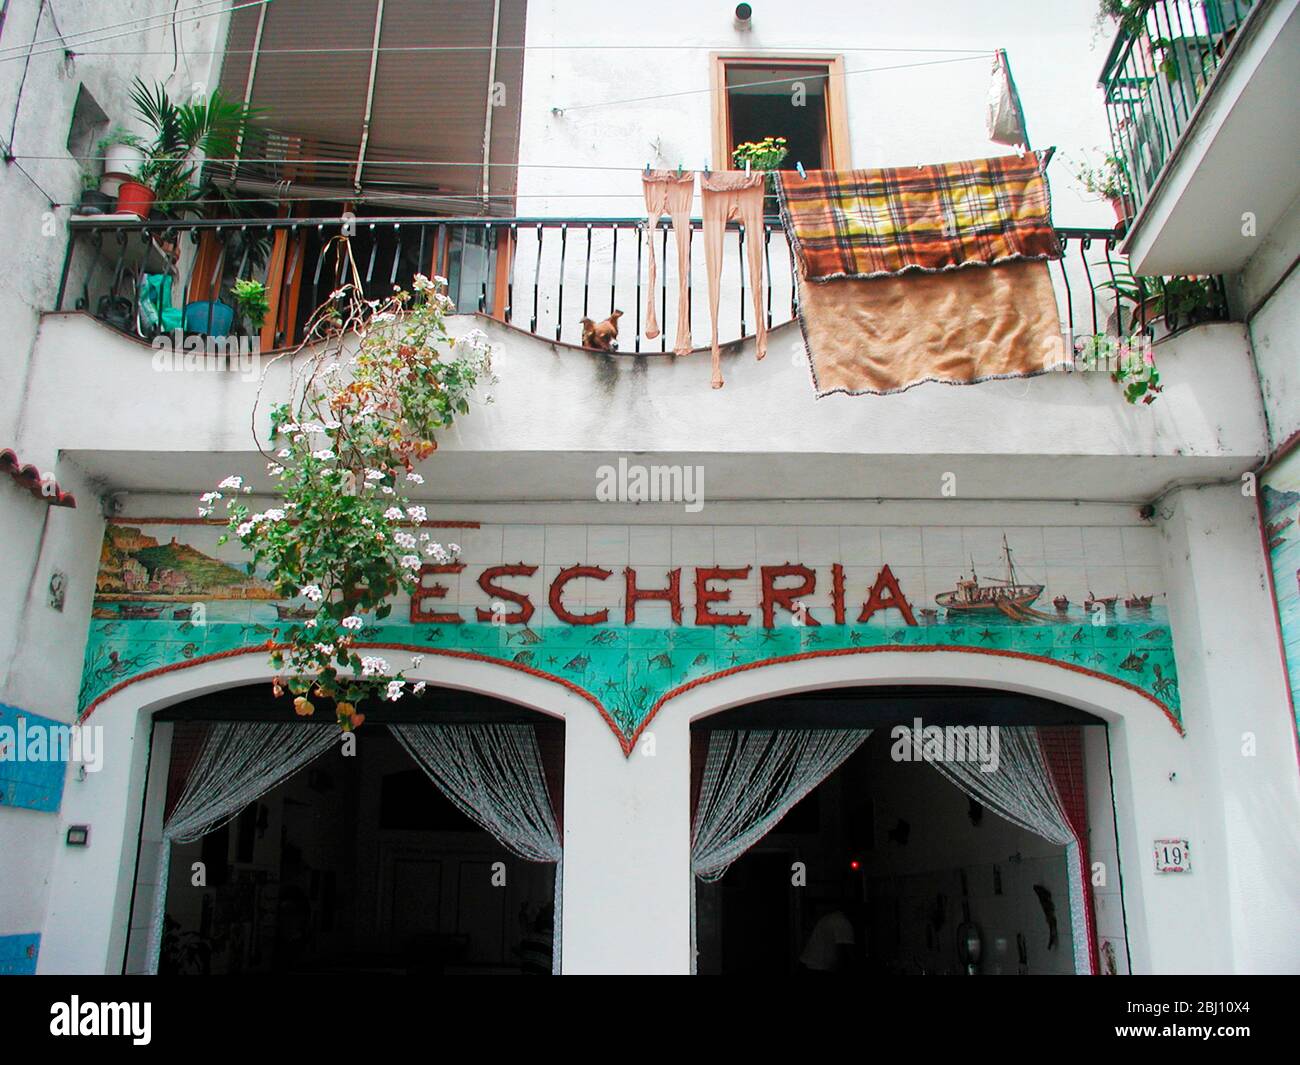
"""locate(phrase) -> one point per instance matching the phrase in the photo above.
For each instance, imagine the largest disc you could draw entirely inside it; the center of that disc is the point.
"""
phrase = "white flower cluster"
(373, 666)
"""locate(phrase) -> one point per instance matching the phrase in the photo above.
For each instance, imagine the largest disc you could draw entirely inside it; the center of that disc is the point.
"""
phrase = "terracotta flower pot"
(134, 198)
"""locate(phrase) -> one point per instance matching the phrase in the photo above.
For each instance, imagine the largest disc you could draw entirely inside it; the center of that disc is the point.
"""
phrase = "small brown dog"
(601, 336)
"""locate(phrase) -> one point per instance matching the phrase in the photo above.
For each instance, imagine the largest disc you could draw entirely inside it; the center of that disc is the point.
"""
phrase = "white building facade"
(829, 531)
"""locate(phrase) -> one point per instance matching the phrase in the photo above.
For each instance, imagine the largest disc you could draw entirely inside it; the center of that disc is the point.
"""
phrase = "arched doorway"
(425, 842)
(908, 839)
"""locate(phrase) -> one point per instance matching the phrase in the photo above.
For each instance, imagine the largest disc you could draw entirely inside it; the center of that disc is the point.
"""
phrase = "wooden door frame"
(839, 154)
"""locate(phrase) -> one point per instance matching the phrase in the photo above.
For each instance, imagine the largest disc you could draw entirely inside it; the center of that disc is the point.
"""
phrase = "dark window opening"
(787, 102)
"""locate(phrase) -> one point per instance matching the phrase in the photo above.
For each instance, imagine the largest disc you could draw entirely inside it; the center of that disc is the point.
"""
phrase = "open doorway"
(887, 867)
(355, 862)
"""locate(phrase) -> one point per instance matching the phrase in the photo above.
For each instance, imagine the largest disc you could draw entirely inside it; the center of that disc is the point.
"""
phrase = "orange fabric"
(887, 334)
(727, 195)
(868, 223)
(667, 193)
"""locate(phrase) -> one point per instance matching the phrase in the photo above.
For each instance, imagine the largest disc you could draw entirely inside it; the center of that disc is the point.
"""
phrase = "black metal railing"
(542, 275)
(1165, 55)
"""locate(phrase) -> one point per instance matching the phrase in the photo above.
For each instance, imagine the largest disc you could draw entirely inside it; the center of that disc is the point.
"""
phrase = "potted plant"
(180, 133)
(1129, 14)
(766, 155)
(251, 302)
(93, 201)
(121, 154)
(1110, 181)
(1191, 300)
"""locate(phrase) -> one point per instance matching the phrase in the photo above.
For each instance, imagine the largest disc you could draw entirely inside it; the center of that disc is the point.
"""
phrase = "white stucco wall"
(1275, 338)
(895, 117)
(40, 649)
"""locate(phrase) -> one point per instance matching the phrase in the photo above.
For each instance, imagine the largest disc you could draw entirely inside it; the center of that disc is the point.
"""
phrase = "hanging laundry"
(1005, 118)
(929, 273)
(668, 192)
(738, 195)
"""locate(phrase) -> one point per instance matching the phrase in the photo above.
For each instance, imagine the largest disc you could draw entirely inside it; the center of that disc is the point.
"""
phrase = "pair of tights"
(728, 195)
(670, 193)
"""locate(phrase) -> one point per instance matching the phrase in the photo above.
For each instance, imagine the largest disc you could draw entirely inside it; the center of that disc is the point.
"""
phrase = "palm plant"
(210, 126)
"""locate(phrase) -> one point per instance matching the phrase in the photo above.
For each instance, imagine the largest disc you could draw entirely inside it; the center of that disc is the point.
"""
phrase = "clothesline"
(344, 50)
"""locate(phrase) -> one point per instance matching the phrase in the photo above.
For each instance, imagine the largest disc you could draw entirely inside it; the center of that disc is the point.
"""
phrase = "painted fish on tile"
(1135, 662)
(525, 636)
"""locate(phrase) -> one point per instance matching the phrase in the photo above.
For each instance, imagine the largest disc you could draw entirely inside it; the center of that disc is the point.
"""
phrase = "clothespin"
(647, 170)
(679, 170)
(1020, 151)
(802, 173)
(706, 166)
(747, 162)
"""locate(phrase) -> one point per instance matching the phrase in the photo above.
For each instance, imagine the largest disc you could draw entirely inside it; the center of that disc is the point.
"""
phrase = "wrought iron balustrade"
(1164, 57)
(541, 275)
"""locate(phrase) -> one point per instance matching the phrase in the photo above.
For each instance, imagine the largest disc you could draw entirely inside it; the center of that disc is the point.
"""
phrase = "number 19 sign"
(1172, 856)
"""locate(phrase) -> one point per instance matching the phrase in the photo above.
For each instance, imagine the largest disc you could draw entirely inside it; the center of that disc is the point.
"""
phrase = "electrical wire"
(12, 159)
(100, 29)
(775, 53)
(778, 81)
(27, 64)
(72, 51)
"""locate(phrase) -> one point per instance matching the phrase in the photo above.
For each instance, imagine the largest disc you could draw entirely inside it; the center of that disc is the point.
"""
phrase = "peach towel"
(881, 335)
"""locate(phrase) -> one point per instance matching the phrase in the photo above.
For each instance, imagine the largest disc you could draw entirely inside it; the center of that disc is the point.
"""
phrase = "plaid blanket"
(874, 223)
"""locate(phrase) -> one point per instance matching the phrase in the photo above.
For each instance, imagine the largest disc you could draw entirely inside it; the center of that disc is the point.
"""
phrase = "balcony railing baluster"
(559, 307)
(613, 271)
(1155, 75)
(537, 277)
(586, 275)
(468, 250)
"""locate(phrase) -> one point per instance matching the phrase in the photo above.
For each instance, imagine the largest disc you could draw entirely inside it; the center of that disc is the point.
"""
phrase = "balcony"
(538, 275)
(560, 411)
(1199, 98)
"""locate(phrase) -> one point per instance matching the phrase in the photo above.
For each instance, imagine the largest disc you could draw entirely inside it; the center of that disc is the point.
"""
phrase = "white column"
(1243, 791)
(626, 849)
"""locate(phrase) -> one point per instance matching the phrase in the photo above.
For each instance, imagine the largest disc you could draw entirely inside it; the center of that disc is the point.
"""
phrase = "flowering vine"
(381, 378)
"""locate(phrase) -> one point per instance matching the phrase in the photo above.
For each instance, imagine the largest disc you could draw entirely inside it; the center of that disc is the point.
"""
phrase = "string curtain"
(493, 774)
(240, 761)
(1024, 791)
(752, 779)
